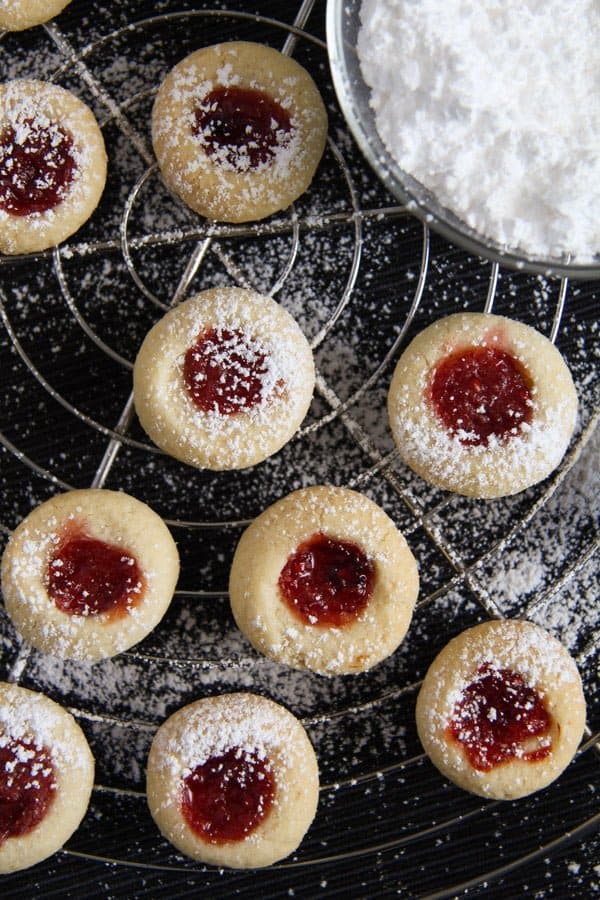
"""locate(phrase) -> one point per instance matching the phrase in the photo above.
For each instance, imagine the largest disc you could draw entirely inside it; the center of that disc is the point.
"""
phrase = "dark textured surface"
(387, 822)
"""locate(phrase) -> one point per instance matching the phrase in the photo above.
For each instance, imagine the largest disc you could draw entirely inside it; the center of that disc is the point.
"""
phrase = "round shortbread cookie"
(52, 165)
(323, 580)
(42, 750)
(501, 711)
(238, 130)
(482, 443)
(233, 781)
(89, 573)
(223, 380)
(16, 15)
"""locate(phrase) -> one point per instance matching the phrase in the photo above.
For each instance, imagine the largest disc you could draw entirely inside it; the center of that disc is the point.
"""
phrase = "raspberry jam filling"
(482, 392)
(87, 577)
(27, 786)
(37, 167)
(498, 717)
(228, 796)
(226, 372)
(242, 126)
(327, 582)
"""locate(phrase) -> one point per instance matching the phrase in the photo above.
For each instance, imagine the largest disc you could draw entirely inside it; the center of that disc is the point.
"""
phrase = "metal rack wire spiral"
(379, 794)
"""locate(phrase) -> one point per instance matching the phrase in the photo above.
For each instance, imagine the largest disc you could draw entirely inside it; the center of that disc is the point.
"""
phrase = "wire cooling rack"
(361, 276)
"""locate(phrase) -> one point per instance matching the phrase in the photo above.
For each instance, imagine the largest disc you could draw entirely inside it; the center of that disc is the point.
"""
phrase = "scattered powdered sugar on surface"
(494, 109)
(358, 725)
(27, 62)
(524, 573)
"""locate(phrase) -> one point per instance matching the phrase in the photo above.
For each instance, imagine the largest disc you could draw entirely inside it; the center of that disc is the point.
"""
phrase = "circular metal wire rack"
(361, 275)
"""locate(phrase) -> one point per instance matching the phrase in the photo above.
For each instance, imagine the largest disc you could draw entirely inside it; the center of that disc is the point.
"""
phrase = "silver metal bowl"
(343, 23)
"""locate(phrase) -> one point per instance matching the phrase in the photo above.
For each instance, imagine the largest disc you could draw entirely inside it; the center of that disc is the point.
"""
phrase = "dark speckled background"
(359, 285)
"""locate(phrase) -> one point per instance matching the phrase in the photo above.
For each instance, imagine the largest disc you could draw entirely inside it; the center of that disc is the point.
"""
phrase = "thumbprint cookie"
(223, 380)
(88, 574)
(323, 580)
(482, 405)
(52, 165)
(501, 710)
(238, 130)
(46, 777)
(17, 15)
(233, 781)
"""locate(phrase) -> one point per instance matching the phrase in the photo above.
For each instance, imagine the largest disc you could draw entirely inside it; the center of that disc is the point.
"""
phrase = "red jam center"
(327, 581)
(226, 372)
(498, 718)
(228, 796)
(37, 166)
(27, 786)
(479, 392)
(243, 126)
(87, 577)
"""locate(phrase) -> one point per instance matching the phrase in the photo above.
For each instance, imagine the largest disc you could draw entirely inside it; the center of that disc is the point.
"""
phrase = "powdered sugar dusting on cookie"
(37, 166)
(520, 646)
(221, 167)
(233, 736)
(109, 518)
(210, 438)
(503, 464)
(536, 665)
(31, 717)
(524, 647)
(202, 731)
(43, 113)
(17, 15)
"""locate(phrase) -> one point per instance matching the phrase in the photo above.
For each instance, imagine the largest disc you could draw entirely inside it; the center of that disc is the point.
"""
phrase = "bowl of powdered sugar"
(483, 118)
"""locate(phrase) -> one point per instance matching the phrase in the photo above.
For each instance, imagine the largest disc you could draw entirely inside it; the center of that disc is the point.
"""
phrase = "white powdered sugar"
(430, 444)
(196, 96)
(278, 369)
(494, 108)
(508, 458)
(31, 116)
(284, 144)
(234, 721)
(260, 362)
(45, 126)
(271, 358)
(510, 653)
(34, 718)
(250, 165)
